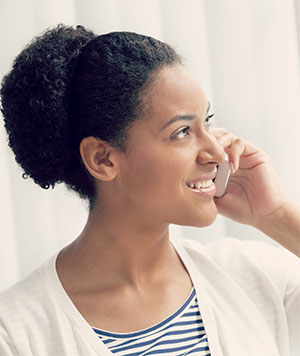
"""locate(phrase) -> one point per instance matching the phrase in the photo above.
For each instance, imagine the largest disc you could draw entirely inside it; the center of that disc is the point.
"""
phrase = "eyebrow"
(183, 117)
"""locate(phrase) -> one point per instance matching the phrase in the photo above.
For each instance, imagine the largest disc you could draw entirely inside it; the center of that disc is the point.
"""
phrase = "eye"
(185, 131)
(208, 120)
(181, 134)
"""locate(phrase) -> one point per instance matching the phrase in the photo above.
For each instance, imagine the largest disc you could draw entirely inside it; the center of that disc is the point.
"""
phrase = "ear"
(98, 158)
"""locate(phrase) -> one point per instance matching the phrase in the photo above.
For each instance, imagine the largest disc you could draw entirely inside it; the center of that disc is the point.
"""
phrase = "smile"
(204, 185)
(201, 184)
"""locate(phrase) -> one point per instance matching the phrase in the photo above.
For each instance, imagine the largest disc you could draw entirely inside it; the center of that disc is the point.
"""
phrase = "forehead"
(174, 92)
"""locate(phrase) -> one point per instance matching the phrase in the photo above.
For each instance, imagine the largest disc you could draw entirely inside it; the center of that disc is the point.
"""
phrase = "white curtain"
(245, 54)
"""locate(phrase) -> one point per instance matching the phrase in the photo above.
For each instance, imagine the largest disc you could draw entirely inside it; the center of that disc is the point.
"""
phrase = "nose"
(210, 150)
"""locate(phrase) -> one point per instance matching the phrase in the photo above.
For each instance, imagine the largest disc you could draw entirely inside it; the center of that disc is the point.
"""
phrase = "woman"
(120, 121)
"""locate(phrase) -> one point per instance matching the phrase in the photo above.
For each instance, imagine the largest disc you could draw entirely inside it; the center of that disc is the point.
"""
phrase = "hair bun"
(34, 103)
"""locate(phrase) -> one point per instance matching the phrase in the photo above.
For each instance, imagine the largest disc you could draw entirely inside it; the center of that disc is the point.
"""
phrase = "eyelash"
(207, 123)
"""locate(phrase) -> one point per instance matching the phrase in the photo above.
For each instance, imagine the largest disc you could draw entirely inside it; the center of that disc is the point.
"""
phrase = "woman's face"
(162, 157)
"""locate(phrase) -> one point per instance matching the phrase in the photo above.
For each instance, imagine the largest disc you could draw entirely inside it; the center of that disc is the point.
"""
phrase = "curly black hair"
(68, 84)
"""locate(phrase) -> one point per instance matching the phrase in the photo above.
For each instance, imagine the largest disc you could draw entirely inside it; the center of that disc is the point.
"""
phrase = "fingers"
(223, 137)
(234, 146)
(234, 152)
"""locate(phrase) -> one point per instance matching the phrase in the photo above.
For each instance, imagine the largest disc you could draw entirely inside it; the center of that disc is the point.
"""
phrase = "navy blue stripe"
(201, 328)
(198, 328)
(206, 348)
(107, 341)
(149, 342)
(191, 313)
(190, 322)
(138, 333)
(162, 351)
(176, 332)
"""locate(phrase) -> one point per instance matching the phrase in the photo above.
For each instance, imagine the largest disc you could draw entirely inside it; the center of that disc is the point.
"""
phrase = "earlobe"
(97, 158)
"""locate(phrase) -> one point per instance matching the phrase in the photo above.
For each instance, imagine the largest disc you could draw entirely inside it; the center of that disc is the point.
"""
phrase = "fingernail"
(232, 167)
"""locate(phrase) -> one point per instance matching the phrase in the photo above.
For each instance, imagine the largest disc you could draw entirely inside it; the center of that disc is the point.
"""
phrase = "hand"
(254, 190)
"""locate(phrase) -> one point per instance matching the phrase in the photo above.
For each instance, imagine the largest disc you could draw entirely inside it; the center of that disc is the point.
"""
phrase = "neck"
(122, 248)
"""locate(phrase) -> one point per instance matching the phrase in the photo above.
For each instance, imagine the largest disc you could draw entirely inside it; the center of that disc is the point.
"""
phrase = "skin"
(121, 272)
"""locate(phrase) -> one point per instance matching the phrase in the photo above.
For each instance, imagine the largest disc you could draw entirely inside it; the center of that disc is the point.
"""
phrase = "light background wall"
(245, 55)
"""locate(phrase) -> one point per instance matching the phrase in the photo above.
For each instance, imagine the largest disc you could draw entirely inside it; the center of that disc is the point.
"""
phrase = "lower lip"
(208, 192)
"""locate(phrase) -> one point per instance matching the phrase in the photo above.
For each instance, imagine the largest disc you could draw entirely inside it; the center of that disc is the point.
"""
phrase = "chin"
(200, 215)
(204, 217)
(205, 221)
(200, 220)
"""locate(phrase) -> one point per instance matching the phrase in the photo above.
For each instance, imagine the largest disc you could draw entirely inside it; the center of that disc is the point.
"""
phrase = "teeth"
(198, 185)
(203, 184)
(207, 183)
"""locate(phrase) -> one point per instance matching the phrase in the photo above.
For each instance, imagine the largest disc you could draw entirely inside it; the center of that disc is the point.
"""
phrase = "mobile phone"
(222, 178)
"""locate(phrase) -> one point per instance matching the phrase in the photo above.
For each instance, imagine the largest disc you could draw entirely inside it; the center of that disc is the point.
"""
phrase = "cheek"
(162, 172)
(165, 165)
(151, 171)
(157, 171)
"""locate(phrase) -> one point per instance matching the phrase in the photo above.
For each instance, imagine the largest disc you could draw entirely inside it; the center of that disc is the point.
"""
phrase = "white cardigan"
(248, 294)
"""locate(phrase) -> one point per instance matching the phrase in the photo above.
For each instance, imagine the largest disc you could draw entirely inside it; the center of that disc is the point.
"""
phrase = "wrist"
(277, 217)
(283, 226)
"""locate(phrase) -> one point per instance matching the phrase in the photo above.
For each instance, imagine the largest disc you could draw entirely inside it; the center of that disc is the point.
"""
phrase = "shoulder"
(247, 260)
(232, 251)
(22, 294)
(24, 307)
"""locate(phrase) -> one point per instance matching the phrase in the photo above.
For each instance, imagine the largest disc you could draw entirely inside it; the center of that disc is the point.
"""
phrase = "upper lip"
(209, 176)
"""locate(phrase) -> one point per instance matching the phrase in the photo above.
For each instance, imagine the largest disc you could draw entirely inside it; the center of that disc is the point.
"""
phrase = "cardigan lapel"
(233, 324)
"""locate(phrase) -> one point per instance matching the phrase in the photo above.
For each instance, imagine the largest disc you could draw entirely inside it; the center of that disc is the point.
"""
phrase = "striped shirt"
(180, 334)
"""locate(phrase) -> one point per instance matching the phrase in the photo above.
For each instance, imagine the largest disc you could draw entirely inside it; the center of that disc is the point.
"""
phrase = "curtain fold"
(244, 54)
(255, 74)
(9, 263)
(185, 28)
